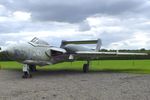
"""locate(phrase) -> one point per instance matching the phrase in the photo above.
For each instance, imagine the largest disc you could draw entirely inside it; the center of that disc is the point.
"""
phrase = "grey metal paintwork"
(26, 51)
(73, 48)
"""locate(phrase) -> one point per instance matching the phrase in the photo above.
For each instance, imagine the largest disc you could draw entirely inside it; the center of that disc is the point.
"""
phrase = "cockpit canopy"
(38, 42)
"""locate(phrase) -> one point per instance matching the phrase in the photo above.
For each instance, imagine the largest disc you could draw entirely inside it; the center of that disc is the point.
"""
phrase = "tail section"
(98, 42)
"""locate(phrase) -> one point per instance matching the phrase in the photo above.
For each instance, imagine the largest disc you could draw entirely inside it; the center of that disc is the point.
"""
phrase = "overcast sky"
(121, 24)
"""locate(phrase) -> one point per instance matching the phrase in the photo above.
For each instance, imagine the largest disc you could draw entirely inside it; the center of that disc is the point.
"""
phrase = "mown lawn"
(131, 66)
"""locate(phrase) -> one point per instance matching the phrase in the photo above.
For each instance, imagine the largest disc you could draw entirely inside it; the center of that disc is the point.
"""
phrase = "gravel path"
(66, 85)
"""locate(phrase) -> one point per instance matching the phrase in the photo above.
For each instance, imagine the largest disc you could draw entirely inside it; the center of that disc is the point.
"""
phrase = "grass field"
(131, 66)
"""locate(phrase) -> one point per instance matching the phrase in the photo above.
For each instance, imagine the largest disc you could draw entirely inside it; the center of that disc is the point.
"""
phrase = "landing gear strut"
(86, 67)
(26, 72)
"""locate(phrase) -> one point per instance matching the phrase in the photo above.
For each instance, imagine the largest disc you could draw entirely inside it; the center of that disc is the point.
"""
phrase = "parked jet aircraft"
(39, 52)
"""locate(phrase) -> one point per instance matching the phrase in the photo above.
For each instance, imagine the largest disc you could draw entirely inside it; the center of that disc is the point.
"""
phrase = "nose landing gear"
(26, 72)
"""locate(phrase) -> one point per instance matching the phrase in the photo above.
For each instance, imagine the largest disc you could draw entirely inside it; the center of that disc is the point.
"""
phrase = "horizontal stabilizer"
(98, 42)
(79, 42)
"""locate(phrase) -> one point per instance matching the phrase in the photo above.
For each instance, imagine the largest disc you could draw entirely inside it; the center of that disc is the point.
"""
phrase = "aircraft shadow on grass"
(43, 72)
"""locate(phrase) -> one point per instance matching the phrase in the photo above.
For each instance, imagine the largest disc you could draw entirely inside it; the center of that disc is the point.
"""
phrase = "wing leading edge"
(95, 55)
(108, 53)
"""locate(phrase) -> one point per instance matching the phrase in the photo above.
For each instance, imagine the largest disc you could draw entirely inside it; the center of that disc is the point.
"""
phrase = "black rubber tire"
(24, 76)
(29, 76)
(85, 68)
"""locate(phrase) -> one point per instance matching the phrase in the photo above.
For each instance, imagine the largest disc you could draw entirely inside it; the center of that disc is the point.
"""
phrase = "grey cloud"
(7, 27)
(84, 26)
(114, 37)
(24, 26)
(5, 38)
(72, 11)
(45, 12)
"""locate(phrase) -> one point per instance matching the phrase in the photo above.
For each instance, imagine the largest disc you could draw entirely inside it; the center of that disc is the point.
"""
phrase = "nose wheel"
(86, 67)
(26, 72)
(26, 75)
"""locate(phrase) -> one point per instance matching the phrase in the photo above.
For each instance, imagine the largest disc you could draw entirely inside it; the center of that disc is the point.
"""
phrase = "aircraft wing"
(108, 53)
(95, 55)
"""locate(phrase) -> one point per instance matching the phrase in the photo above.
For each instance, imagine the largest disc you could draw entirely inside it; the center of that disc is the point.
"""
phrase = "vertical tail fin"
(99, 44)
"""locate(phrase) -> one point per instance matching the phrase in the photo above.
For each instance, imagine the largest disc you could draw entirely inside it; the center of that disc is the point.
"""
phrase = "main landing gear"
(86, 67)
(26, 71)
(32, 68)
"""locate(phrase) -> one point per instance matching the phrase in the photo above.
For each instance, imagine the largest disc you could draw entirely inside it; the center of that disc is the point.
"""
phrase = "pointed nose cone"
(3, 54)
(3, 51)
(6, 52)
(0, 50)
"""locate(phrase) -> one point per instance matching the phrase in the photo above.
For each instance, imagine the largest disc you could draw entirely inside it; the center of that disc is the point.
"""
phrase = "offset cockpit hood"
(38, 42)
